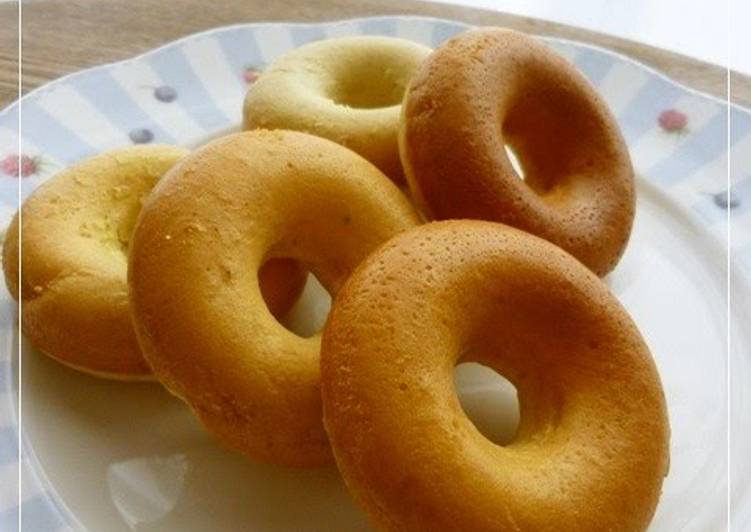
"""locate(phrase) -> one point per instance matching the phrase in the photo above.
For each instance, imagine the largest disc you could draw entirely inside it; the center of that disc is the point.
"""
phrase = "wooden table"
(62, 36)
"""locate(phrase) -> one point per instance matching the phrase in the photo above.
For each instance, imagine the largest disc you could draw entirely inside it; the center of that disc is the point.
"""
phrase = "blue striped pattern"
(641, 113)
(443, 31)
(743, 257)
(707, 210)
(56, 139)
(740, 125)
(5, 378)
(303, 34)
(742, 190)
(8, 445)
(241, 50)
(39, 515)
(593, 64)
(702, 148)
(175, 70)
(9, 189)
(704, 145)
(378, 26)
(112, 101)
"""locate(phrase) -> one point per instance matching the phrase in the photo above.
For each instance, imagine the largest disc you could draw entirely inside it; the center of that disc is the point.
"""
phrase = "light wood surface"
(8, 53)
(62, 36)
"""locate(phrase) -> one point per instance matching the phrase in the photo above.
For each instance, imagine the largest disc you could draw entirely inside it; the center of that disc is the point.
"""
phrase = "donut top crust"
(491, 87)
(592, 446)
(202, 235)
(348, 90)
(76, 231)
(81, 220)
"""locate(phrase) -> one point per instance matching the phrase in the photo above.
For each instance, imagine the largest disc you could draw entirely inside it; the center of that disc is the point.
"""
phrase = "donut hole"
(308, 314)
(369, 82)
(554, 133)
(489, 400)
(515, 163)
(365, 93)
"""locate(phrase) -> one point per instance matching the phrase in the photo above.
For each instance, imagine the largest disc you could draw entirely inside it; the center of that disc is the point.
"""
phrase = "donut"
(348, 90)
(76, 229)
(489, 88)
(591, 448)
(200, 319)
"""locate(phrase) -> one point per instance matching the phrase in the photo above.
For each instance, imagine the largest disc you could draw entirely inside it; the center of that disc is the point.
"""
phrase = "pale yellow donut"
(348, 90)
(195, 254)
(591, 449)
(76, 230)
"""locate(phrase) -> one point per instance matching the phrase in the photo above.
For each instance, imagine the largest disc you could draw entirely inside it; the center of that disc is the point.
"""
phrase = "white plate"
(99, 455)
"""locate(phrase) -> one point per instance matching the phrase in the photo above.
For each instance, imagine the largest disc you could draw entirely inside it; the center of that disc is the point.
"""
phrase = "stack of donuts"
(382, 168)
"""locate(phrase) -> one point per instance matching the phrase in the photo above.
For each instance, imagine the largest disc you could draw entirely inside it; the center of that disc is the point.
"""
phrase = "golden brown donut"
(491, 87)
(200, 239)
(591, 449)
(76, 229)
(348, 90)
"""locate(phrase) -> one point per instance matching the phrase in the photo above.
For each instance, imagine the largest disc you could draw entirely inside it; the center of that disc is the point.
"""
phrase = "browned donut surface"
(491, 87)
(231, 206)
(591, 449)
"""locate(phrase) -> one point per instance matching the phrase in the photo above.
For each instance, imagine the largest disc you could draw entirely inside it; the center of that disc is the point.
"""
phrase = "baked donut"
(489, 88)
(348, 90)
(201, 237)
(591, 449)
(76, 229)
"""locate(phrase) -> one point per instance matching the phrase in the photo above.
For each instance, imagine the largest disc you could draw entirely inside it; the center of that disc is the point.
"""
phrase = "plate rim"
(242, 25)
(67, 515)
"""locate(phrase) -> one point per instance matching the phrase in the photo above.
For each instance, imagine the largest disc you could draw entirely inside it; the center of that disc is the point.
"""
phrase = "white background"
(697, 28)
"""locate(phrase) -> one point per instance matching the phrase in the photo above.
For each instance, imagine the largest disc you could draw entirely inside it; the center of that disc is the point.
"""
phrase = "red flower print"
(251, 74)
(19, 166)
(672, 120)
